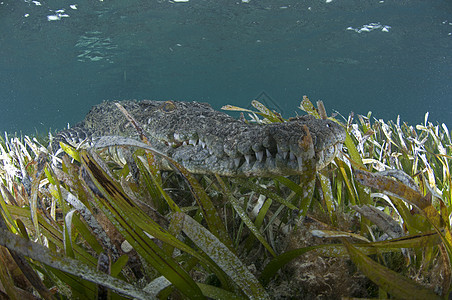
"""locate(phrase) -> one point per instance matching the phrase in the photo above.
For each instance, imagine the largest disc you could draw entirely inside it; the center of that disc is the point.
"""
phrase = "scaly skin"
(206, 141)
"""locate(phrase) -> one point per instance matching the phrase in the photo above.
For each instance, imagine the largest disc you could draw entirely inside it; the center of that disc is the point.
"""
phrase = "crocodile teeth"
(248, 158)
(237, 162)
(268, 153)
(300, 162)
(177, 136)
(184, 143)
(321, 156)
(192, 142)
(202, 144)
(282, 153)
(292, 156)
(260, 155)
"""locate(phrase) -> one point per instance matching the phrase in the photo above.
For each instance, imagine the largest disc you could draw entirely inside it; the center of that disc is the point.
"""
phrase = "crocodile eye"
(168, 106)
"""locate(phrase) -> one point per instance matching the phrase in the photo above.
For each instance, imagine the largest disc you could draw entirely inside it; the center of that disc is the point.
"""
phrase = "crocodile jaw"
(240, 149)
(207, 141)
(201, 161)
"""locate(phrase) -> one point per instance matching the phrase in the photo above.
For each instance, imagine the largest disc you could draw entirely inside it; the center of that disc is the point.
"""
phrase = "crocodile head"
(207, 141)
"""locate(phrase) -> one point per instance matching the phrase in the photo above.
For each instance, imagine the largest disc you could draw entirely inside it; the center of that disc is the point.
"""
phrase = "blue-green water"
(390, 57)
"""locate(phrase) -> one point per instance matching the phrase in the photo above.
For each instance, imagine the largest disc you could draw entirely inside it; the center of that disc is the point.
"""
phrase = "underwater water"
(58, 58)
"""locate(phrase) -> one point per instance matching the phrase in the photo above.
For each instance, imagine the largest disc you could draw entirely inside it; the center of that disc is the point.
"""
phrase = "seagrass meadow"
(375, 223)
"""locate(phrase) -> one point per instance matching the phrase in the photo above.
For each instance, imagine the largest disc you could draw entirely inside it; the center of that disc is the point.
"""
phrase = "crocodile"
(207, 141)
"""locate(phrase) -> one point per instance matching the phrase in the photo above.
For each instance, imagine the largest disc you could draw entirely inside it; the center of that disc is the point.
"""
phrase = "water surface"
(58, 58)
